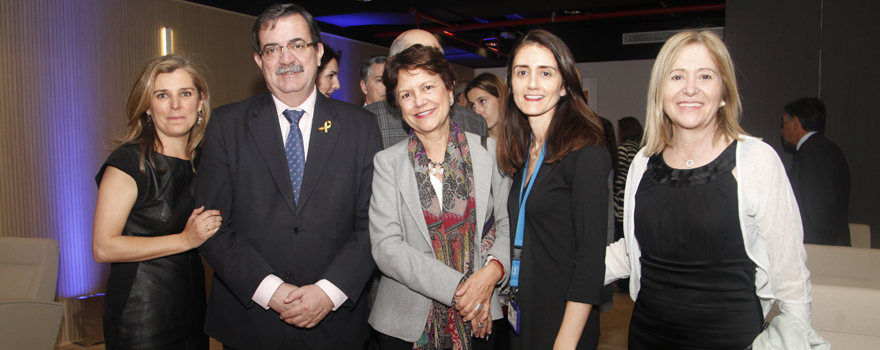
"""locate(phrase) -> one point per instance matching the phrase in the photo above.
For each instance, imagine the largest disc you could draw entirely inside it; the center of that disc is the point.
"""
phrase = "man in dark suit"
(819, 174)
(391, 123)
(291, 171)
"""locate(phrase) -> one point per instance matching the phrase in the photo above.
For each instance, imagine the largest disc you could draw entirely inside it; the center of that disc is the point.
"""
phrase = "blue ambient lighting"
(71, 145)
(369, 18)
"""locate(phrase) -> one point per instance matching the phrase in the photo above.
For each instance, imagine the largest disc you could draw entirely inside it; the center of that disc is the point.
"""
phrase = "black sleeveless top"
(698, 283)
(159, 303)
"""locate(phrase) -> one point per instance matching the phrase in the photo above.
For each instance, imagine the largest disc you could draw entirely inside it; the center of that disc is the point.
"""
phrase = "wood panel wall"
(67, 67)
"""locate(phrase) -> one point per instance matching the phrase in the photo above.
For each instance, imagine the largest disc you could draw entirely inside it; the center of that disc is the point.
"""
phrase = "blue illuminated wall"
(66, 68)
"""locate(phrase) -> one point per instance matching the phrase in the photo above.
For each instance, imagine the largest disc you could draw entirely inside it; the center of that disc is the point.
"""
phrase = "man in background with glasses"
(291, 171)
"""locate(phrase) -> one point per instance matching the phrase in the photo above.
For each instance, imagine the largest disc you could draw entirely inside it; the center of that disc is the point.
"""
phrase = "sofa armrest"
(29, 324)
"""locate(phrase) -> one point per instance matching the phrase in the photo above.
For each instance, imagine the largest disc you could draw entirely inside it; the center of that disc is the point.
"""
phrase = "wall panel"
(849, 88)
(788, 49)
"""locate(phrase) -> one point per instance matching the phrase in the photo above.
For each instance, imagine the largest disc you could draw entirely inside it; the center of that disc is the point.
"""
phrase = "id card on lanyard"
(513, 313)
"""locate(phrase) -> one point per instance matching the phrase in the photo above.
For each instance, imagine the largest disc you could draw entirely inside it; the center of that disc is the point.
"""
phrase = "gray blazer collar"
(482, 164)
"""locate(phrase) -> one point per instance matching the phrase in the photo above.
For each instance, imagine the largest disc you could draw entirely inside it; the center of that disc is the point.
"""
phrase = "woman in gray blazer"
(443, 258)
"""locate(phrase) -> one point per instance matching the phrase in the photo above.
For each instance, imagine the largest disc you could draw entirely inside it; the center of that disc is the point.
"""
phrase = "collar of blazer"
(482, 164)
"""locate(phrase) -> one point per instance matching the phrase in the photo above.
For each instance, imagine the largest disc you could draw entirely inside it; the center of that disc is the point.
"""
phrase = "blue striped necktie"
(296, 156)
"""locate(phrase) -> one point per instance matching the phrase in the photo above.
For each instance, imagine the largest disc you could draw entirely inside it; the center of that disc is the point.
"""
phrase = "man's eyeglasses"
(296, 47)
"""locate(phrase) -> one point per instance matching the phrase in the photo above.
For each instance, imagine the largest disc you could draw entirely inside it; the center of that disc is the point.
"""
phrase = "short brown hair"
(427, 58)
(267, 20)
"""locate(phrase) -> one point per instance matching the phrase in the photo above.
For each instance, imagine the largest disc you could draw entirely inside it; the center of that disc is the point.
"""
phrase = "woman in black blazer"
(558, 204)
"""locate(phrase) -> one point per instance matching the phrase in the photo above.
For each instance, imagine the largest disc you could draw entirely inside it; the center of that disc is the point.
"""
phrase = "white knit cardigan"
(771, 226)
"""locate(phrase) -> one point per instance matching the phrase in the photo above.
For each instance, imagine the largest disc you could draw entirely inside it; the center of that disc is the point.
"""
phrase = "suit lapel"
(320, 147)
(266, 132)
(410, 191)
(482, 181)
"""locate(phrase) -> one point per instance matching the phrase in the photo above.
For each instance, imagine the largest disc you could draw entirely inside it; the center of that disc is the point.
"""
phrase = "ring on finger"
(207, 228)
(480, 325)
(479, 307)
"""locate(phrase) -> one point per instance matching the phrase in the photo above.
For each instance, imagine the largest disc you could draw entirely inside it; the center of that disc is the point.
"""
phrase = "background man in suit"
(391, 123)
(371, 79)
(819, 174)
(294, 196)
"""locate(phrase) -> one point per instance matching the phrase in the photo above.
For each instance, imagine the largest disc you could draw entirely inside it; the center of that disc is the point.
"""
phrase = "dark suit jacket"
(394, 128)
(820, 179)
(243, 173)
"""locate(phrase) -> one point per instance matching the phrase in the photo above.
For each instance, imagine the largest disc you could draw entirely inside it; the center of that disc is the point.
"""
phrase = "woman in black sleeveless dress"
(712, 234)
(144, 222)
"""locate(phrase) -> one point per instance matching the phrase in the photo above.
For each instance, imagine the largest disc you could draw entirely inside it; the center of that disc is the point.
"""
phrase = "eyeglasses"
(296, 47)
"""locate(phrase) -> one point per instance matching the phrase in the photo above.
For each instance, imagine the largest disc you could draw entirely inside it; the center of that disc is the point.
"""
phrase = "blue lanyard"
(524, 196)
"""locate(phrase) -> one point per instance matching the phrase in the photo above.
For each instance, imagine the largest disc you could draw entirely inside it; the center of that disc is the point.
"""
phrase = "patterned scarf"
(451, 229)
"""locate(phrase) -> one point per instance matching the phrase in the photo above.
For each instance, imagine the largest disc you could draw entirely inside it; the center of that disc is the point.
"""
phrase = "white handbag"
(787, 332)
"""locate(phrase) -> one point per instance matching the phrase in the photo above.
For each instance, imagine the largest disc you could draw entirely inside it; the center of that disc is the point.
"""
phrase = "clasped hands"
(477, 290)
(303, 307)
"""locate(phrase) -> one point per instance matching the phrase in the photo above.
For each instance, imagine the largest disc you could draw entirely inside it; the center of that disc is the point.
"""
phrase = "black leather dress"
(159, 303)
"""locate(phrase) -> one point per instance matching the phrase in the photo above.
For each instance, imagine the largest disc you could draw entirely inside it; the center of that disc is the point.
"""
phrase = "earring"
(451, 103)
(723, 103)
(149, 119)
(199, 121)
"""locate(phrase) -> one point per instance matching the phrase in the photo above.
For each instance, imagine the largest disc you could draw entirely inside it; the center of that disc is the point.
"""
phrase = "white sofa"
(847, 317)
(29, 316)
(860, 235)
(844, 266)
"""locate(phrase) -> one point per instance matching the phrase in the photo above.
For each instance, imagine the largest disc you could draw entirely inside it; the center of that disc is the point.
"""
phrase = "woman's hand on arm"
(201, 225)
(573, 323)
(116, 197)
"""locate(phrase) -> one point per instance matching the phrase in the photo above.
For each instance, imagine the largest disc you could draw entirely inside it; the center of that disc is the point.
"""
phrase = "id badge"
(513, 315)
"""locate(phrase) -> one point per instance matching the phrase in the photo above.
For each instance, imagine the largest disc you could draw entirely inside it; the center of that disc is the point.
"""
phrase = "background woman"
(712, 231)
(144, 222)
(328, 72)
(486, 95)
(629, 131)
(552, 143)
(433, 194)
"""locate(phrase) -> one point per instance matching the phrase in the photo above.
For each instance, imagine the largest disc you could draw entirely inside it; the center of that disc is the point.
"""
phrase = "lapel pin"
(326, 126)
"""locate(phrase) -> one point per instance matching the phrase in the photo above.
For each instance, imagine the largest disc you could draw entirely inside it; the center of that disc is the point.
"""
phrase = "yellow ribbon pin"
(326, 126)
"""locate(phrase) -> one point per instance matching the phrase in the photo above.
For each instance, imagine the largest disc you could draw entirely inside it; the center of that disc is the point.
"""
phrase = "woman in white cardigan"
(712, 232)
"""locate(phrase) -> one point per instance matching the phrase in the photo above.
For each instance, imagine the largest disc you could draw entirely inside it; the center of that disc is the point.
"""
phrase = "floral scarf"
(451, 228)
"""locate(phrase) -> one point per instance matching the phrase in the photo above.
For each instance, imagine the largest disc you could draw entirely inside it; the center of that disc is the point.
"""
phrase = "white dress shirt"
(804, 139)
(271, 283)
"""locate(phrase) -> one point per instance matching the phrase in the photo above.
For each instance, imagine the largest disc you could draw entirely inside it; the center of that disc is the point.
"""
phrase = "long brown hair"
(574, 125)
(141, 130)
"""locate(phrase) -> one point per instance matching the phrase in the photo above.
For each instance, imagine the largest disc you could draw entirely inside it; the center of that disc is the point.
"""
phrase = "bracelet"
(491, 258)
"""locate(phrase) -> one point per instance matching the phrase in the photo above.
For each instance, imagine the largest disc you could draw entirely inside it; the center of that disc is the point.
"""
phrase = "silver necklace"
(436, 167)
(690, 162)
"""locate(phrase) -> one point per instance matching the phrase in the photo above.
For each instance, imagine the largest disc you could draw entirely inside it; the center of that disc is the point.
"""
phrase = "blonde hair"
(658, 126)
(141, 130)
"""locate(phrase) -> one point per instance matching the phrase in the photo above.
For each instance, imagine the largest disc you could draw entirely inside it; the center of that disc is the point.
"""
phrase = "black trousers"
(387, 342)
